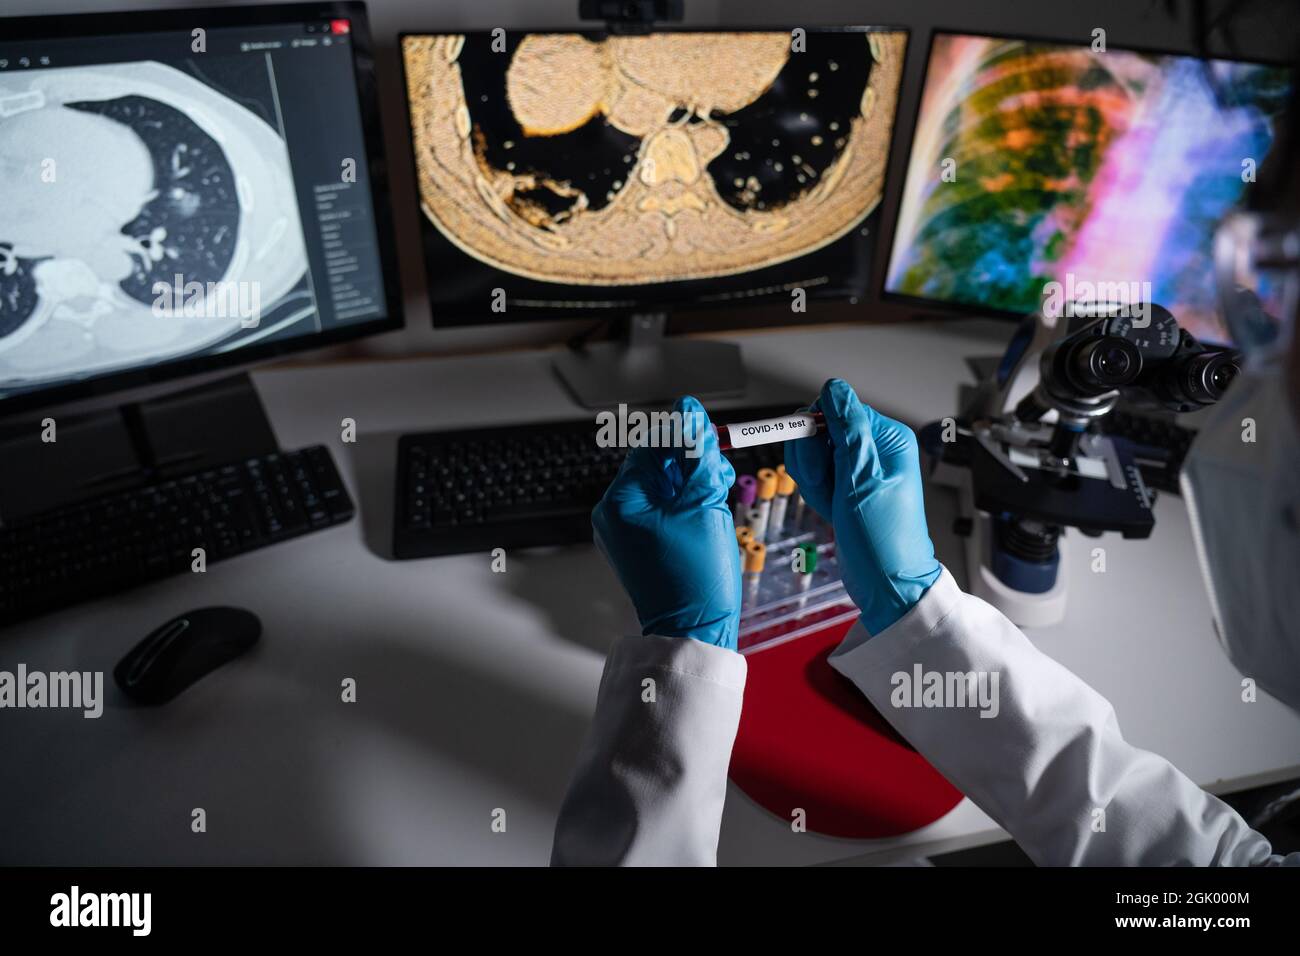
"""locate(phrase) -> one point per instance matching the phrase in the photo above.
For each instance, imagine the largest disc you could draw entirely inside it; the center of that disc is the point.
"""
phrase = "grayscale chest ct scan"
(648, 433)
(189, 205)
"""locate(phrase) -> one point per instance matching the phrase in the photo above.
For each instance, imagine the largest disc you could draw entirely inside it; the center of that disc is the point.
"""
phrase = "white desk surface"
(474, 688)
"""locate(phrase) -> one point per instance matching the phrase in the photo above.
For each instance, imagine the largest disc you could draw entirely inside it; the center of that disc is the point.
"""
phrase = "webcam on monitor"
(632, 11)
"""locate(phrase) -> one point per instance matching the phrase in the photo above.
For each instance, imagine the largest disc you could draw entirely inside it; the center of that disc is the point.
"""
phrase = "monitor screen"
(1102, 172)
(564, 173)
(175, 198)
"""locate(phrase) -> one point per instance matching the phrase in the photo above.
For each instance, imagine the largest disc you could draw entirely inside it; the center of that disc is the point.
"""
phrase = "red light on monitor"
(340, 26)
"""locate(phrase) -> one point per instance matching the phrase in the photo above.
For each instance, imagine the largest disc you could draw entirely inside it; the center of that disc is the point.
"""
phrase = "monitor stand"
(124, 447)
(647, 368)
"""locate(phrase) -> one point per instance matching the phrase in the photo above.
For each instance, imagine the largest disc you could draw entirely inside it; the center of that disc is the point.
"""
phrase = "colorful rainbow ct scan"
(1068, 164)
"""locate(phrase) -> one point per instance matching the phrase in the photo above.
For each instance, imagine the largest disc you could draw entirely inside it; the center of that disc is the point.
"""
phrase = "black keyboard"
(1159, 445)
(517, 486)
(105, 545)
(511, 487)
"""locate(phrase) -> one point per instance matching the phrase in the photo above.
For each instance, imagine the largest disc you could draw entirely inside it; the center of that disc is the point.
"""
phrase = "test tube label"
(767, 430)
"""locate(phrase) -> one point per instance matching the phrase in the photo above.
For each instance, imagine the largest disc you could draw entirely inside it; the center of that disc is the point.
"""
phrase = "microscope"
(1029, 459)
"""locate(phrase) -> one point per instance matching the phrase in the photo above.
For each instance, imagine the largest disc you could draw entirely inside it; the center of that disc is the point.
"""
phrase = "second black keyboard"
(512, 487)
(516, 486)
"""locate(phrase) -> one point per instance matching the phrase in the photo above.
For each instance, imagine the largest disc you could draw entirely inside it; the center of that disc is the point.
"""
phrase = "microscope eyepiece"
(1203, 377)
(1102, 364)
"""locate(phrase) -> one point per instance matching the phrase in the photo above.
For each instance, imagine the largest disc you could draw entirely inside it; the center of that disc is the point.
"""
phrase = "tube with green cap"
(808, 564)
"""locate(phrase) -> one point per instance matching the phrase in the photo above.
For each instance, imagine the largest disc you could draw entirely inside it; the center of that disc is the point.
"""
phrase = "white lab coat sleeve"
(1051, 767)
(651, 777)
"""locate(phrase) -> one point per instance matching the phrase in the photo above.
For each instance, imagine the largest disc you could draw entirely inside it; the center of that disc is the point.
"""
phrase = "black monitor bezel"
(461, 318)
(941, 307)
(154, 21)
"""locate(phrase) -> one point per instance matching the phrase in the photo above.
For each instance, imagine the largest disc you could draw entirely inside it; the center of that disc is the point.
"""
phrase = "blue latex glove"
(665, 528)
(864, 476)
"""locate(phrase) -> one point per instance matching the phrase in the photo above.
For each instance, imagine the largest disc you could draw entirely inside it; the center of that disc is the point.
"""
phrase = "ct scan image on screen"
(122, 186)
(1037, 162)
(584, 170)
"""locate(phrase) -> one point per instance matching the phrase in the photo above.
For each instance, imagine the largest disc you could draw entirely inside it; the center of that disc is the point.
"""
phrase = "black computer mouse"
(183, 650)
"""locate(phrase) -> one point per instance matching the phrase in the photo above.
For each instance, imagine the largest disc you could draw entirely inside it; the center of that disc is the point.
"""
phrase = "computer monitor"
(181, 191)
(1104, 171)
(605, 174)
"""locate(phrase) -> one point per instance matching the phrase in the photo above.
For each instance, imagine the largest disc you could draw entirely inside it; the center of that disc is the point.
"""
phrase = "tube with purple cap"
(746, 494)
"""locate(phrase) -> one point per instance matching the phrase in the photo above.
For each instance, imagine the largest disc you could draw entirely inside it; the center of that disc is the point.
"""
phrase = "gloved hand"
(665, 528)
(864, 476)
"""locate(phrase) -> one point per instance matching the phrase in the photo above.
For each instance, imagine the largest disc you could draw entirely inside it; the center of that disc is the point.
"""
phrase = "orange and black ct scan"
(502, 437)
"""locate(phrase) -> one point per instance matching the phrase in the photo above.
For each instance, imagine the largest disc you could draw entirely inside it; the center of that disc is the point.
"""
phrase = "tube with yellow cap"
(744, 535)
(767, 482)
(755, 557)
(784, 489)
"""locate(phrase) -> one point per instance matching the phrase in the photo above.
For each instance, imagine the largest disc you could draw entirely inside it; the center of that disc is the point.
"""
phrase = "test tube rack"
(777, 608)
